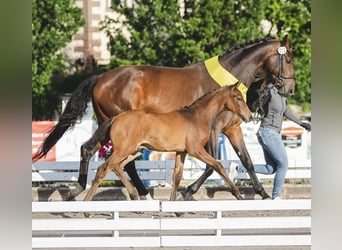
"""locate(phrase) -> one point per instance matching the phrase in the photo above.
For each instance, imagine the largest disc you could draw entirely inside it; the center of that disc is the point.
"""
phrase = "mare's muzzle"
(285, 89)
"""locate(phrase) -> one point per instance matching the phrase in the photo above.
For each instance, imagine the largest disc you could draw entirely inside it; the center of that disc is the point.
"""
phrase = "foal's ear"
(237, 84)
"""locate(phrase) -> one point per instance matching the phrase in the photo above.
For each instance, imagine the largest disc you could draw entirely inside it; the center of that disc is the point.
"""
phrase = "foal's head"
(236, 103)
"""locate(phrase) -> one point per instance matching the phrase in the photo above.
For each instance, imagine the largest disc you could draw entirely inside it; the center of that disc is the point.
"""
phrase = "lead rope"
(258, 115)
(258, 104)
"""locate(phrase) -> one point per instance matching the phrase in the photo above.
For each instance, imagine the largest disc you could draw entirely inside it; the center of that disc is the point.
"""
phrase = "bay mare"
(183, 131)
(163, 89)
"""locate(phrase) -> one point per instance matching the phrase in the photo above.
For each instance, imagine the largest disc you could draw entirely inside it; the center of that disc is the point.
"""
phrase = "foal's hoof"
(69, 196)
(238, 196)
(179, 214)
(87, 215)
(73, 193)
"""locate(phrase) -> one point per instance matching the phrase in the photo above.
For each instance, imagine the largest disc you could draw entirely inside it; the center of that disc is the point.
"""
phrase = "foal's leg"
(101, 173)
(235, 137)
(202, 155)
(177, 174)
(118, 169)
(211, 148)
(88, 149)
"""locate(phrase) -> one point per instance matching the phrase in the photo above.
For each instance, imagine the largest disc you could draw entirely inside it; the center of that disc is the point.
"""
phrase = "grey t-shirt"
(275, 109)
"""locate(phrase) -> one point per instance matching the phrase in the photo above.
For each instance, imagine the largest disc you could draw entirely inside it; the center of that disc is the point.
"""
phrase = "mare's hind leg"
(202, 155)
(235, 137)
(88, 149)
(177, 174)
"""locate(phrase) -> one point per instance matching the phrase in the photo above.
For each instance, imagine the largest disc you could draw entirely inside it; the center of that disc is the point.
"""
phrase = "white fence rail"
(148, 170)
(210, 223)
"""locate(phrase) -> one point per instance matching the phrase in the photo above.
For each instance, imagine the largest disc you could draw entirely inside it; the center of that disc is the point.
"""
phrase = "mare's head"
(236, 103)
(280, 70)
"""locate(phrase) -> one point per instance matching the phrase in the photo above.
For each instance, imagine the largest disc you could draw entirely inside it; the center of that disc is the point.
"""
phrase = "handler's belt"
(222, 76)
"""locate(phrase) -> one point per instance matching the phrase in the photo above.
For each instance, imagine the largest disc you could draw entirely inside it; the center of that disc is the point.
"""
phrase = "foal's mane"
(202, 97)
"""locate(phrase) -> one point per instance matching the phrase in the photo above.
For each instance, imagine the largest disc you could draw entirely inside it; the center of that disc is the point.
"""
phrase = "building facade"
(90, 41)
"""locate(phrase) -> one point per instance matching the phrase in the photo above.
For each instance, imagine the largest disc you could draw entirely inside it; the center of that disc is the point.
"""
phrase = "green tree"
(54, 22)
(172, 34)
(179, 33)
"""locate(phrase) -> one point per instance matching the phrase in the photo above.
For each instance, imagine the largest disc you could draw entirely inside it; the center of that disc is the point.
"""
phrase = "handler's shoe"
(277, 198)
(233, 171)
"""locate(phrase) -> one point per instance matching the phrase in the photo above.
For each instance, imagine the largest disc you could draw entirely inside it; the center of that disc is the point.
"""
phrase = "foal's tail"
(74, 111)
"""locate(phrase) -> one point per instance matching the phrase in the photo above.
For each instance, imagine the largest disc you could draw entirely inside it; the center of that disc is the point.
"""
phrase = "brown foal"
(183, 131)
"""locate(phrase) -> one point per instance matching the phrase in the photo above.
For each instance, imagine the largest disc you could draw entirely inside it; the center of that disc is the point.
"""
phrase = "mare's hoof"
(186, 196)
(179, 197)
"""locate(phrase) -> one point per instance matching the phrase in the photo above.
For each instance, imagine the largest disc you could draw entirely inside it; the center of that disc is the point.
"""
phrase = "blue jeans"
(275, 158)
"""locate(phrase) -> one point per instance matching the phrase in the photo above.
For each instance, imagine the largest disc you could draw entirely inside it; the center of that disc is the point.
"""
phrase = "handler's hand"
(306, 125)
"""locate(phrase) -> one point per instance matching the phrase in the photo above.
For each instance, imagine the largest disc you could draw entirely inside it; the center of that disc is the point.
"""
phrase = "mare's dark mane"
(248, 44)
(252, 92)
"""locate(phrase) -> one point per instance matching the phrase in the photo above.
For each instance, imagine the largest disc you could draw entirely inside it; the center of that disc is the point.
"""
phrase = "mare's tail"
(74, 111)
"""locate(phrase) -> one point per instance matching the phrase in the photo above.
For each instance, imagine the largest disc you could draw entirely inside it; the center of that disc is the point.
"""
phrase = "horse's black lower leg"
(132, 173)
(247, 162)
(258, 188)
(241, 150)
(88, 149)
(193, 188)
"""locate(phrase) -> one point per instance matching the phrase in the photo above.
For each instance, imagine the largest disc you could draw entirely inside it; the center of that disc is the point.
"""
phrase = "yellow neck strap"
(222, 76)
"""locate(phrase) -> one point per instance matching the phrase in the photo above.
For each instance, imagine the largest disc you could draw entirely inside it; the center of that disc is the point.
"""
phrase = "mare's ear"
(286, 42)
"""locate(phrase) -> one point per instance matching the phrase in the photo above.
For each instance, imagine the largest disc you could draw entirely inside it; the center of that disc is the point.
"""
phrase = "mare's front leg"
(132, 173)
(202, 155)
(177, 174)
(235, 137)
(88, 149)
